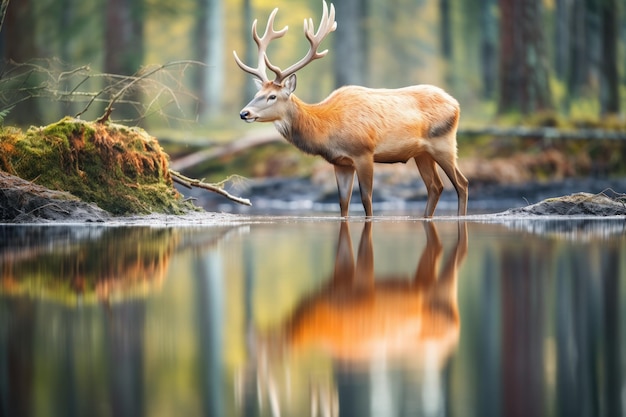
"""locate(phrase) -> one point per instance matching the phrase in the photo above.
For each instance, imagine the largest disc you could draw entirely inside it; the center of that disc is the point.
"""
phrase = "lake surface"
(315, 316)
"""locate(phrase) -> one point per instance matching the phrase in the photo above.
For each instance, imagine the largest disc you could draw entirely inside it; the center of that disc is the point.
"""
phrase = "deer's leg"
(426, 273)
(365, 174)
(447, 162)
(434, 185)
(345, 180)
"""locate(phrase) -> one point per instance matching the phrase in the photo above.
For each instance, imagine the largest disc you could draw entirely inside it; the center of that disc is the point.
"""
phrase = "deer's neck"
(306, 126)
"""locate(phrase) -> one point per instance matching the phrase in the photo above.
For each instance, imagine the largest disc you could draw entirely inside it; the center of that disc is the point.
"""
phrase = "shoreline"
(22, 202)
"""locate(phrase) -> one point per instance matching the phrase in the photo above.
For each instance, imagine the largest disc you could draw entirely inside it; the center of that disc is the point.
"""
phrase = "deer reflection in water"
(360, 320)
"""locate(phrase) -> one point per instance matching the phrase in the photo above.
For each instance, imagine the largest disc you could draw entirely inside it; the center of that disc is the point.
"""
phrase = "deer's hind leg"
(434, 186)
(345, 181)
(447, 162)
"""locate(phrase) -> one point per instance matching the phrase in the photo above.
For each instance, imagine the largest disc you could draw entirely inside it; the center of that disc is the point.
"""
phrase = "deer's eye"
(271, 97)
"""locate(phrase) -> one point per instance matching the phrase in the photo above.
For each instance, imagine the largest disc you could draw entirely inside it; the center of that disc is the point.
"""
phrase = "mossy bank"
(122, 170)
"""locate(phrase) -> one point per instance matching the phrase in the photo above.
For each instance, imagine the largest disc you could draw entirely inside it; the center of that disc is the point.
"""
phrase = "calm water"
(300, 317)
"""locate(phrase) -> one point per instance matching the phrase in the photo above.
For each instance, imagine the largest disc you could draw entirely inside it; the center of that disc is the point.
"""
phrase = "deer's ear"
(290, 83)
(258, 83)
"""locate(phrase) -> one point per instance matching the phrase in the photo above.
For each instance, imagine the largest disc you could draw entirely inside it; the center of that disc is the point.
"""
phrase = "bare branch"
(51, 79)
(216, 188)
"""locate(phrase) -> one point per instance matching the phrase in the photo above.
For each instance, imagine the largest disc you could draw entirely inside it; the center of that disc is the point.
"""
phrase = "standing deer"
(357, 126)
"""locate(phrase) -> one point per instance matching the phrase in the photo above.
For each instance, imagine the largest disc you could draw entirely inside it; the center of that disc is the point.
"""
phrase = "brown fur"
(357, 126)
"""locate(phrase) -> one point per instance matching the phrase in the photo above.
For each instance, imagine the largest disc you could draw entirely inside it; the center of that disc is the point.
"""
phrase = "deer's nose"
(244, 114)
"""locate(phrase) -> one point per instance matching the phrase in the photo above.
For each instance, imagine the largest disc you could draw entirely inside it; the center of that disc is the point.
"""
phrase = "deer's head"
(271, 101)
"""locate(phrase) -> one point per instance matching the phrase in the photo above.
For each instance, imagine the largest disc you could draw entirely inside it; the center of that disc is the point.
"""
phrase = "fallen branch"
(545, 133)
(231, 148)
(192, 182)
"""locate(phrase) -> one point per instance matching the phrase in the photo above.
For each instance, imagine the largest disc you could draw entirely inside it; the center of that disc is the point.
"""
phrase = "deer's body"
(386, 125)
(356, 126)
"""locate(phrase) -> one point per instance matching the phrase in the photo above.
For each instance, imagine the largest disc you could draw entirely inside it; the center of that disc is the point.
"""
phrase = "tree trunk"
(524, 84)
(364, 34)
(562, 37)
(250, 50)
(349, 43)
(209, 43)
(609, 78)
(124, 47)
(488, 46)
(445, 38)
(18, 25)
(578, 64)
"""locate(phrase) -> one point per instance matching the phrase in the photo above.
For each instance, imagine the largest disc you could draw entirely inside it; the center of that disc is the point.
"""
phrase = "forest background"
(505, 60)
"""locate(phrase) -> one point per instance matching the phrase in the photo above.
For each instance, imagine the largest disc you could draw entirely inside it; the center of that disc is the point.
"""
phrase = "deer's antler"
(327, 25)
(262, 43)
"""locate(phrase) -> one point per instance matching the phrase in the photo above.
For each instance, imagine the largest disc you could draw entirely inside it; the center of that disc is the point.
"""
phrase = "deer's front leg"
(345, 180)
(365, 174)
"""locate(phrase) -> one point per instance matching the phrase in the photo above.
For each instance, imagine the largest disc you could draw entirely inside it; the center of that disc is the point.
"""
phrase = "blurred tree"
(609, 78)
(349, 42)
(562, 37)
(124, 46)
(445, 29)
(488, 48)
(209, 48)
(524, 82)
(20, 46)
(249, 51)
(581, 48)
(445, 37)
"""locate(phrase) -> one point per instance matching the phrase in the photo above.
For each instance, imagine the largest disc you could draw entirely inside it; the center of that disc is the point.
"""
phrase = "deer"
(355, 126)
(360, 317)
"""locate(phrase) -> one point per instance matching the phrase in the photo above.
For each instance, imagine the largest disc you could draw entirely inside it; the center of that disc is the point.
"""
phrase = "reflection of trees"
(581, 362)
(522, 326)
(363, 322)
(71, 265)
(103, 265)
(16, 358)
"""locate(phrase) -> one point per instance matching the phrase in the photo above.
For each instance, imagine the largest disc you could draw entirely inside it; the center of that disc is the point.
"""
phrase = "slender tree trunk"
(19, 45)
(445, 38)
(609, 77)
(249, 51)
(124, 47)
(209, 39)
(364, 29)
(488, 48)
(445, 29)
(349, 56)
(524, 84)
(578, 64)
(562, 37)
(66, 18)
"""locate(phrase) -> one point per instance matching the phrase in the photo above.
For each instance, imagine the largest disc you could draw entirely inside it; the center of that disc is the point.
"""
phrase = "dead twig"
(141, 75)
(192, 182)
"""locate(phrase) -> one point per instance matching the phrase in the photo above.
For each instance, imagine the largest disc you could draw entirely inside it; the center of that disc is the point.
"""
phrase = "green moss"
(123, 170)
